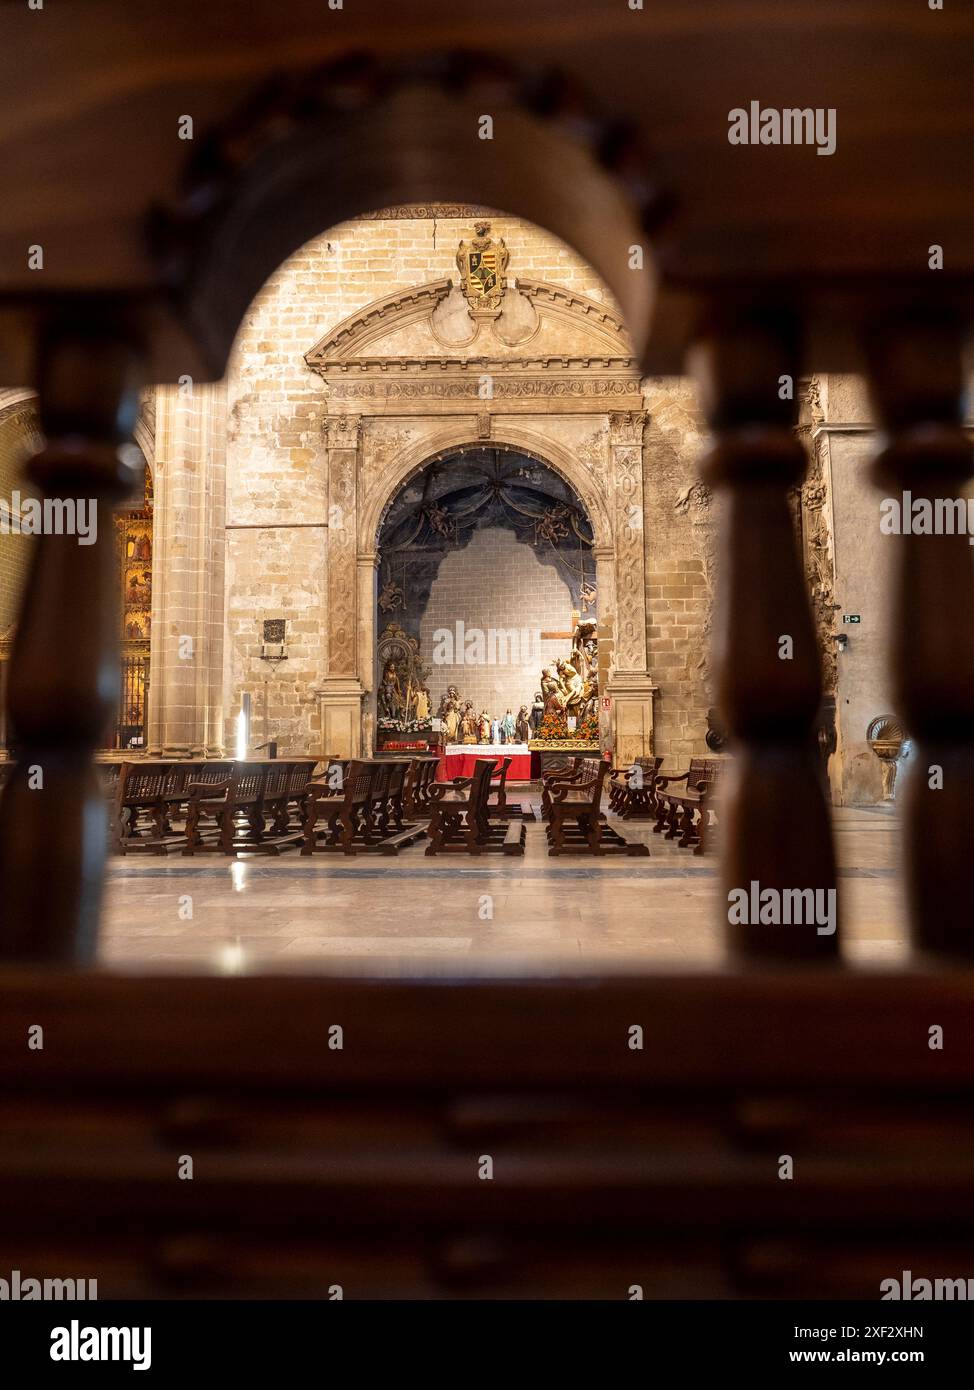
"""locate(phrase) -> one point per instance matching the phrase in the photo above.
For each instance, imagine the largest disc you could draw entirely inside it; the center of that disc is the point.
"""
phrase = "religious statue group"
(462, 724)
(565, 708)
(570, 688)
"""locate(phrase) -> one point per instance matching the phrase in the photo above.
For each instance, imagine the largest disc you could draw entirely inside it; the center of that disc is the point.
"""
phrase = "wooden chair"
(340, 819)
(427, 779)
(147, 796)
(576, 823)
(461, 821)
(501, 806)
(678, 807)
(570, 771)
(395, 832)
(632, 795)
(299, 778)
(226, 816)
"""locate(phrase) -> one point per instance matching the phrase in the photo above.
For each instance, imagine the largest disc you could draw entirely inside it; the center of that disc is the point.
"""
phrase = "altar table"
(458, 760)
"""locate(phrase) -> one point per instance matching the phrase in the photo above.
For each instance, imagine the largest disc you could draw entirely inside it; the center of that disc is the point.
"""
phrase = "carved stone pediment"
(428, 328)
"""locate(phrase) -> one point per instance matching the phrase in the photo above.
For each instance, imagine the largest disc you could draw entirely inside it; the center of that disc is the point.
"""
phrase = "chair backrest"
(358, 779)
(561, 765)
(141, 782)
(247, 783)
(299, 775)
(178, 777)
(276, 780)
(501, 767)
(595, 770)
(209, 773)
(702, 770)
(380, 778)
(480, 785)
(398, 769)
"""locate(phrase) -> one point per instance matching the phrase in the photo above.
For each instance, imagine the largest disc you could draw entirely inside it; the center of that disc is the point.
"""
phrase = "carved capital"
(626, 427)
(342, 431)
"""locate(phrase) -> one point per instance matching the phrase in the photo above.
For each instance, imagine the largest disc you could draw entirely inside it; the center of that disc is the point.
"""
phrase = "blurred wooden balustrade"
(610, 130)
(613, 1166)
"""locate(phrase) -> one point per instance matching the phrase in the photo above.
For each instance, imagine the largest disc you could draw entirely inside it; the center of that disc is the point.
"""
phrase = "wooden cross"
(546, 636)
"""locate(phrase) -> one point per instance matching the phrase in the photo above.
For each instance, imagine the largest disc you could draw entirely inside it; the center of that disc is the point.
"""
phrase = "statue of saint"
(451, 722)
(585, 647)
(507, 725)
(452, 697)
(422, 705)
(537, 711)
(572, 685)
(522, 726)
(390, 693)
(590, 699)
(468, 724)
(552, 692)
(483, 727)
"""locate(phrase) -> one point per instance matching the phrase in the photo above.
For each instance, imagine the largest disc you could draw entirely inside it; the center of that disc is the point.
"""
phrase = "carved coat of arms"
(482, 263)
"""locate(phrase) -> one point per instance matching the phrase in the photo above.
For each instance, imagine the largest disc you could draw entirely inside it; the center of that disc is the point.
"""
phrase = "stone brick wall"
(497, 582)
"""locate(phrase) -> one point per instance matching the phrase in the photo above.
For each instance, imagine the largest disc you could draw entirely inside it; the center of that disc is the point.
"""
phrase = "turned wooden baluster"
(64, 666)
(776, 819)
(917, 381)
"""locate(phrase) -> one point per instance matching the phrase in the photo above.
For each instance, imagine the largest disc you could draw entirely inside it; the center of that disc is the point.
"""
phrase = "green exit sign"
(851, 618)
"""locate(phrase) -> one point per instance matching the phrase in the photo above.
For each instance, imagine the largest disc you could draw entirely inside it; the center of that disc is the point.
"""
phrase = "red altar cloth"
(459, 758)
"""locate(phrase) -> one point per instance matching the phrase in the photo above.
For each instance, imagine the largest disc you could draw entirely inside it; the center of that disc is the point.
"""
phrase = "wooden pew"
(291, 814)
(460, 819)
(226, 816)
(340, 818)
(570, 771)
(632, 796)
(395, 831)
(681, 810)
(147, 795)
(363, 810)
(416, 791)
(576, 822)
(501, 806)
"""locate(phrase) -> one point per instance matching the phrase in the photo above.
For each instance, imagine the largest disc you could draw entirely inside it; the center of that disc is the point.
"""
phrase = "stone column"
(629, 685)
(189, 545)
(341, 692)
(368, 565)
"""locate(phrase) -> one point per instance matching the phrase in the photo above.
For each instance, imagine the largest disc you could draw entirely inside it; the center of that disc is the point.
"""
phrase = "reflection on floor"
(480, 914)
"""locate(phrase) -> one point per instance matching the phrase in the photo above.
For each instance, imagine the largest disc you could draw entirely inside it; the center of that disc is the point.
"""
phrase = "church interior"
(445, 596)
(433, 514)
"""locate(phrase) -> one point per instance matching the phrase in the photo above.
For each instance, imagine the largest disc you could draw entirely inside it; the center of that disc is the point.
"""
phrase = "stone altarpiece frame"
(415, 375)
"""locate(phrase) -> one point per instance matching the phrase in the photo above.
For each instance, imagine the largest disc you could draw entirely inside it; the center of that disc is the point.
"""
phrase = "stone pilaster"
(189, 542)
(341, 692)
(629, 685)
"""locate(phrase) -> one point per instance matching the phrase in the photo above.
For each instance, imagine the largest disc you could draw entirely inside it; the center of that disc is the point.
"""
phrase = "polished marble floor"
(491, 913)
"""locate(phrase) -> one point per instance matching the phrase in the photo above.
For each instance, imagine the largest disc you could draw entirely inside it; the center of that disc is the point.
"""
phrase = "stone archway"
(481, 539)
(546, 370)
(608, 482)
